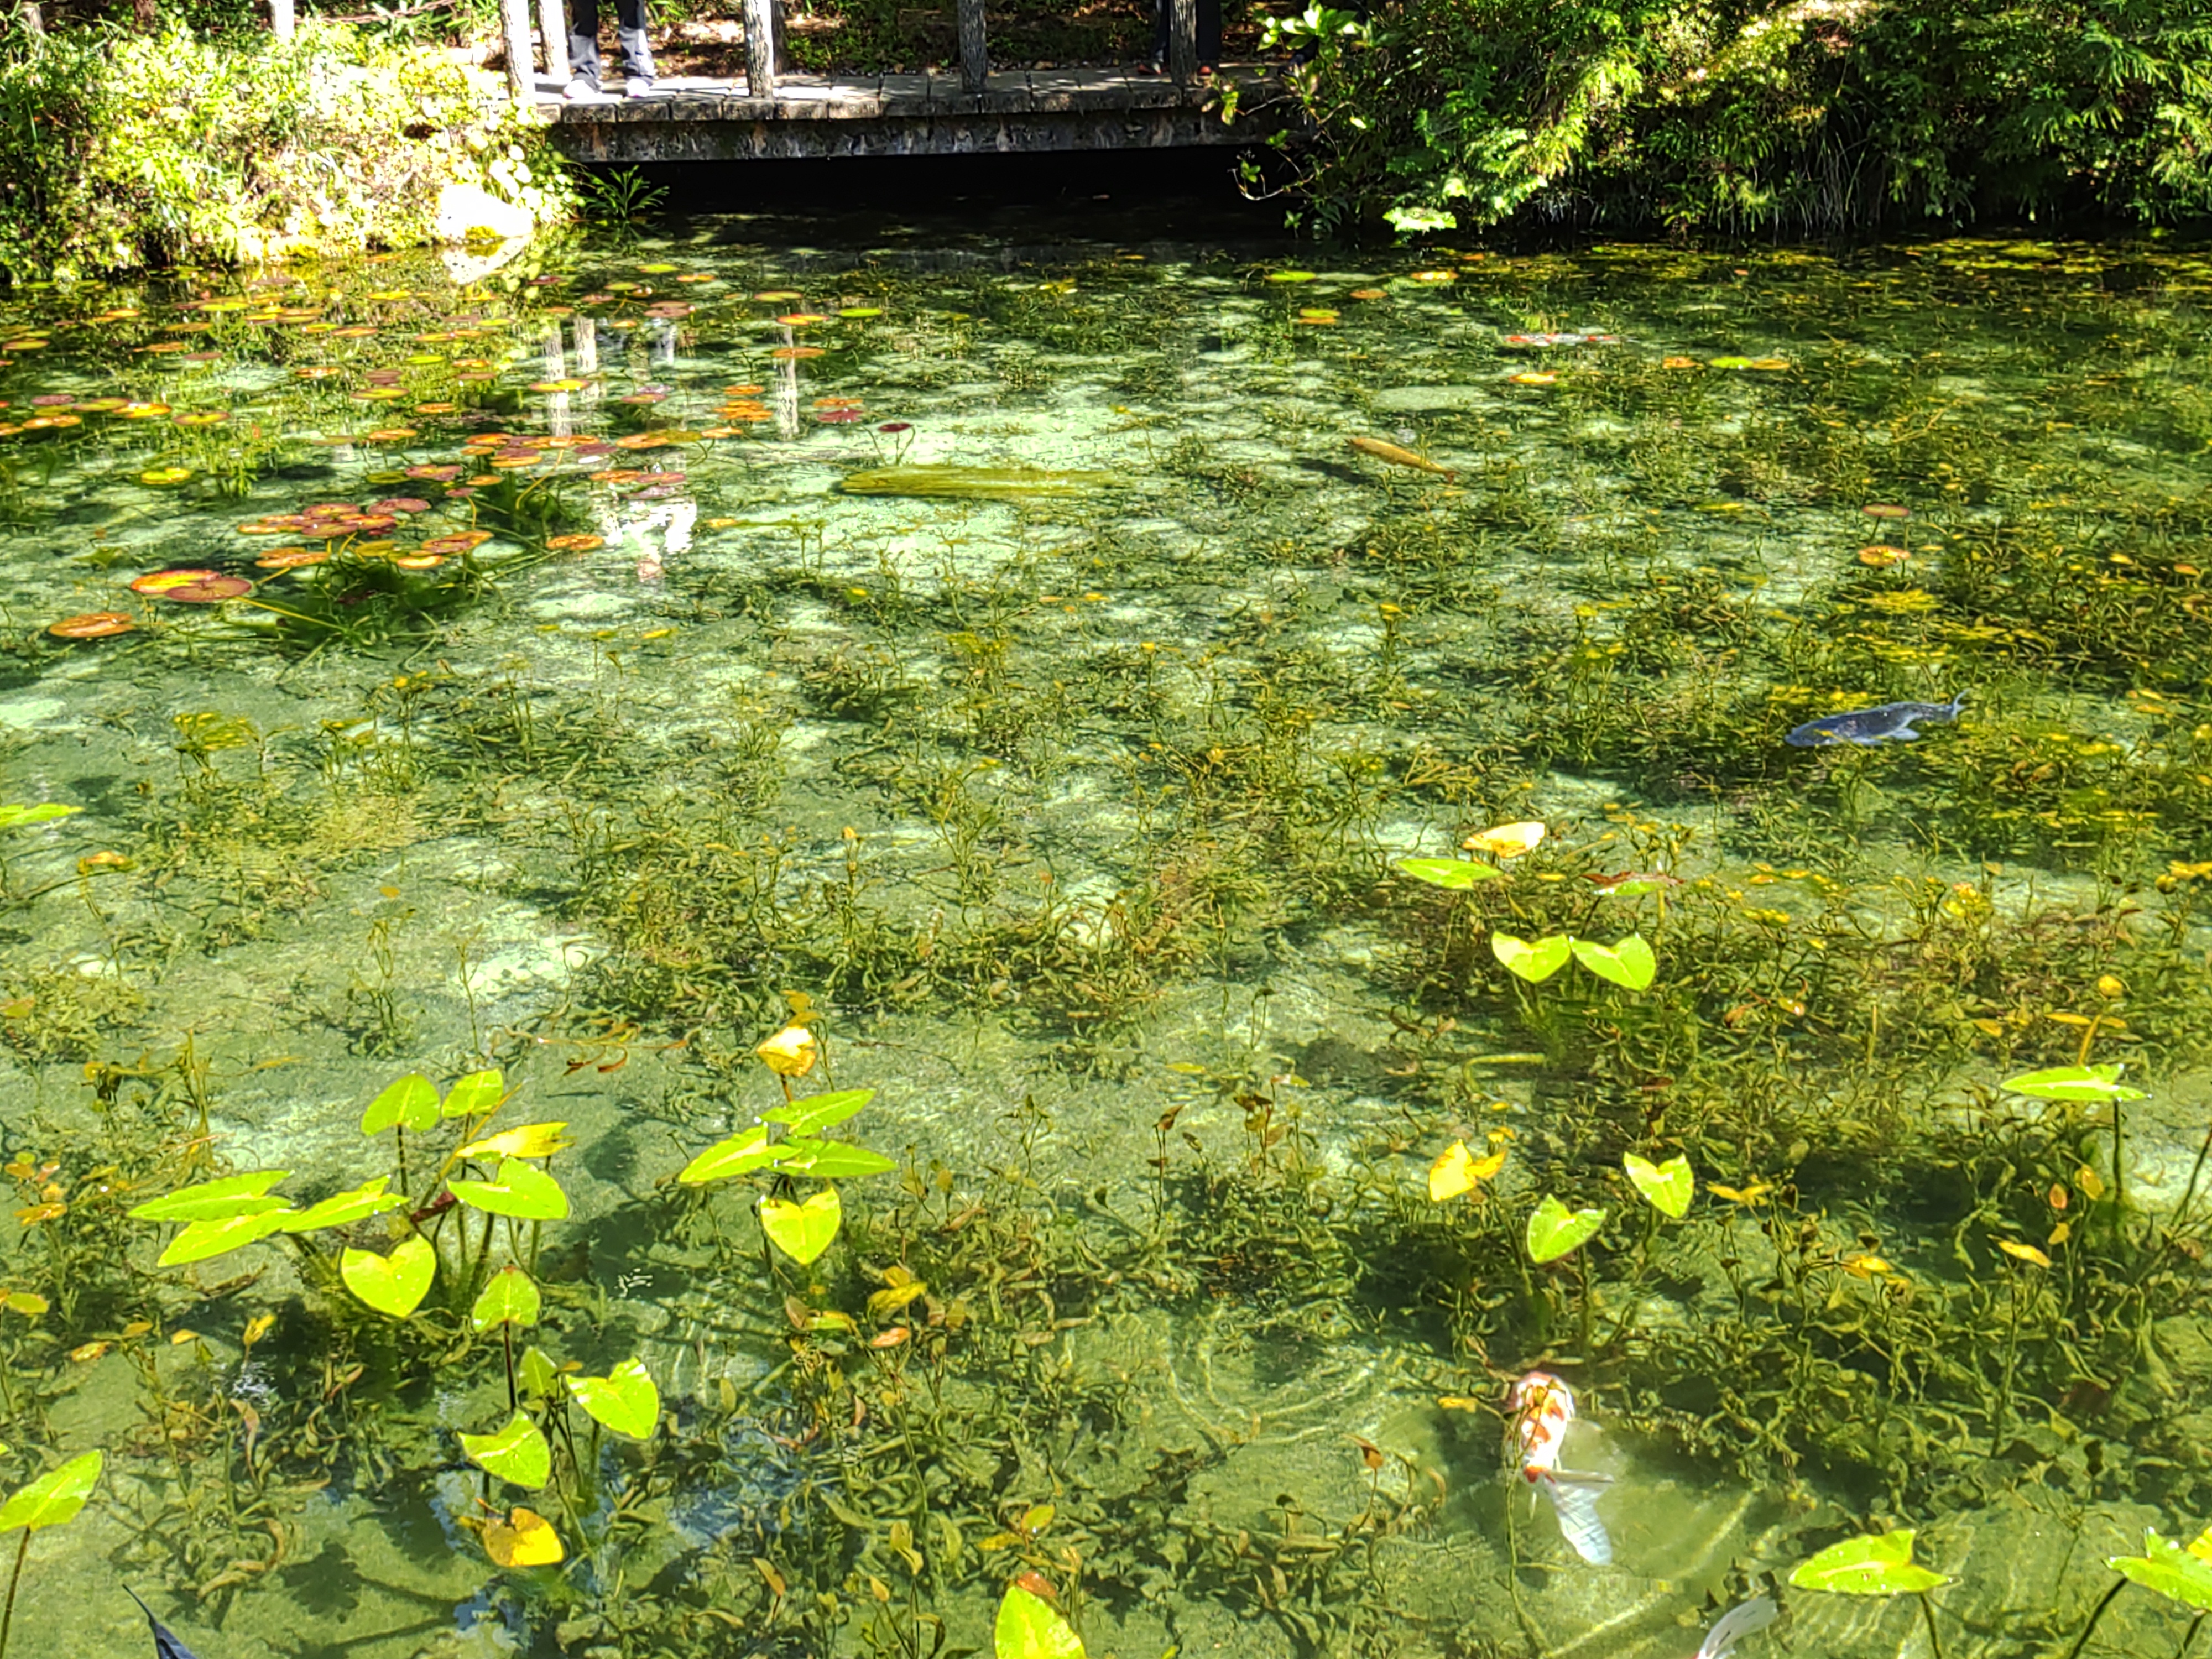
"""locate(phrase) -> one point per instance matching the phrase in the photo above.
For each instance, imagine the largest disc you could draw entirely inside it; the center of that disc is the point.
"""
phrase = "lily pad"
(2074, 1083)
(519, 1189)
(1029, 1626)
(624, 1399)
(1452, 873)
(54, 1498)
(518, 1453)
(1880, 1564)
(1667, 1188)
(2181, 1574)
(1555, 1230)
(1533, 963)
(803, 1231)
(1627, 963)
(394, 1283)
(407, 1103)
(511, 1298)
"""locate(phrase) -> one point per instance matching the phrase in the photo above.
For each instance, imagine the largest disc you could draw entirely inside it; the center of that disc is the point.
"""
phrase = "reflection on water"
(1018, 658)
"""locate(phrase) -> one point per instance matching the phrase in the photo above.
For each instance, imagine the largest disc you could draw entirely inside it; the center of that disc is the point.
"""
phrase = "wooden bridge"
(972, 110)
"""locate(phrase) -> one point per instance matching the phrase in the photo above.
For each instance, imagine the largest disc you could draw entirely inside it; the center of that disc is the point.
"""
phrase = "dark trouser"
(584, 38)
(1209, 31)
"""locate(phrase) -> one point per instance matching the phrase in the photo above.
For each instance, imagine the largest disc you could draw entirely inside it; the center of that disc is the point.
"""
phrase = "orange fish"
(1397, 457)
(1542, 1407)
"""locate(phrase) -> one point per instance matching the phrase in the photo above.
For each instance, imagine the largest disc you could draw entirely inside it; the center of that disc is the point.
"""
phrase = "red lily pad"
(191, 587)
(93, 625)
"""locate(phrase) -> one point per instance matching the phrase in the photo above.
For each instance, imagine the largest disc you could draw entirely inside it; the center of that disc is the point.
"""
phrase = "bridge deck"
(691, 118)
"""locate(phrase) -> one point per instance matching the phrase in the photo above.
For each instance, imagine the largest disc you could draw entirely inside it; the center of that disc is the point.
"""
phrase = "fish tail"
(1574, 1499)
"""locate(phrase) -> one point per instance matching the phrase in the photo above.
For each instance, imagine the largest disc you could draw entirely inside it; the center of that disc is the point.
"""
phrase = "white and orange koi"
(1542, 1407)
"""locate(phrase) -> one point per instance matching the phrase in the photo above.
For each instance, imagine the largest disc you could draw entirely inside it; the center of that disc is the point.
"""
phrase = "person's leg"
(1160, 35)
(584, 43)
(1209, 32)
(629, 28)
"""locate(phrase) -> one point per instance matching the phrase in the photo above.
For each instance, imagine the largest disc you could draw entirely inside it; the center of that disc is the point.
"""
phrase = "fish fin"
(1576, 1502)
(1737, 1622)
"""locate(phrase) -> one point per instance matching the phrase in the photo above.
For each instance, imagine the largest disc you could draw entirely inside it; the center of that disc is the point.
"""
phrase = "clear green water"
(1075, 814)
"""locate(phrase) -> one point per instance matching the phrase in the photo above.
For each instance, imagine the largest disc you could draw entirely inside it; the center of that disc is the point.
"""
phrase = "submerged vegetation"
(712, 954)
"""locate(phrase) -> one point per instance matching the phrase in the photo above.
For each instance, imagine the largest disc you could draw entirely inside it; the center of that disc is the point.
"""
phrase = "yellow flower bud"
(2109, 987)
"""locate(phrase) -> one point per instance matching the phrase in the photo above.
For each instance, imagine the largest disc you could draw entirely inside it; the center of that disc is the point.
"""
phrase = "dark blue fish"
(165, 1645)
(1890, 722)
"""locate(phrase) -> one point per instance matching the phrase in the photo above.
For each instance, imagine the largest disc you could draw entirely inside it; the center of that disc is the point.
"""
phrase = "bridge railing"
(761, 35)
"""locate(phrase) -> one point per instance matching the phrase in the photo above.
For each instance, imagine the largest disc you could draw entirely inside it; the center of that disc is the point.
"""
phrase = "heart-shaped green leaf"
(206, 1239)
(216, 1201)
(816, 1113)
(1873, 1565)
(394, 1283)
(527, 1140)
(1554, 1230)
(1534, 961)
(624, 1399)
(510, 1298)
(2074, 1083)
(828, 1160)
(1667, 1188)
(1454, 874)
(45, 813)
(2166, 1567)
(537, 1374)
(740, 1155)
(1030, 1627)
(343, 1209)
(803, 1231)
(54, 1498)
(409, 1102)
(518, 1190)
(477, 1095)
(518, 1453)
(1627, 963)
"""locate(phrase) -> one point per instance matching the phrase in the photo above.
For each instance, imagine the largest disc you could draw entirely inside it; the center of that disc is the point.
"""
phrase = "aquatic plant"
(52, 1500)
(951, 482)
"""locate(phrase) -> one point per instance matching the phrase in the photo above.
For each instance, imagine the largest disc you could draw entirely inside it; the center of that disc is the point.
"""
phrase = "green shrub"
(119, 150)
(1812, 115)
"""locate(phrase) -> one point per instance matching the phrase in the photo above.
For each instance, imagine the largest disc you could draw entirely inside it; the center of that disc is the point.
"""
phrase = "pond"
(1252, 822)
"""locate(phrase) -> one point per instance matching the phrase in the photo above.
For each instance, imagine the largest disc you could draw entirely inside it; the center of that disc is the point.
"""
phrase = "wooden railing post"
(975, 55)
(760, 48)
(521, 68)
(1183, 40)
(553, 24)
(280, 19)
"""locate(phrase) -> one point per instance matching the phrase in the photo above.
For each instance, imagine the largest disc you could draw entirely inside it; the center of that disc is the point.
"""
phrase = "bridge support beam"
(521, 66)
(975, 55)
(280, 19)
(760, 48)
(553, 25)
(1183, 41)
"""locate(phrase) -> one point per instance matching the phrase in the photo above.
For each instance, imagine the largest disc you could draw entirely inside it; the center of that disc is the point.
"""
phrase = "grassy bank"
(119, 150)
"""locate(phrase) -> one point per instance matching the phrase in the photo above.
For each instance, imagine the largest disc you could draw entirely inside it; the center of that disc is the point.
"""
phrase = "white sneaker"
(638, 86)
(579, 89)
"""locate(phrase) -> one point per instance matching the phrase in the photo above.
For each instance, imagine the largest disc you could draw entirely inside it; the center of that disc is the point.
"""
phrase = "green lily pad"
(1873, 1565)
(394, 1283)
(518, 1453)
(803, 1231)
(2074, 1083)
(1533, 962)
(519, 1189)
(409, 1102)
(828, 1160)
(1628, 963)
(1454, 874)
(536, 1376)
(818, 1112)
(1030, 1627)
(216, 1201)
(476, 1094)
(510, 1298)
(740, 1155)
(53, 1497)
(2178, 1573)
(343, 1209)
(1667, 1188)
(1554, 1230)
(205, 1239)
(624, 1399)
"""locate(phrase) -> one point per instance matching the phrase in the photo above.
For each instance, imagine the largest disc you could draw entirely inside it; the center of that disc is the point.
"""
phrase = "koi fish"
(1397, 457)
(165, 1645)
(1542, 1407)
(1887, 722)
(1737, 1622)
